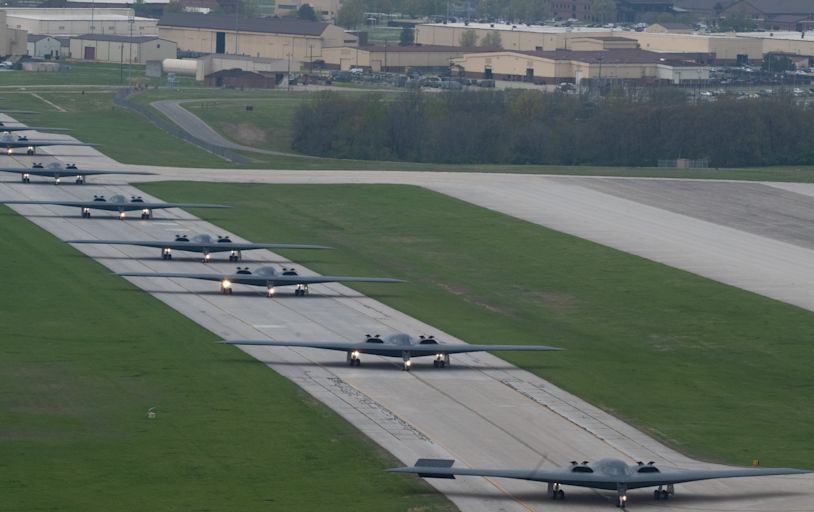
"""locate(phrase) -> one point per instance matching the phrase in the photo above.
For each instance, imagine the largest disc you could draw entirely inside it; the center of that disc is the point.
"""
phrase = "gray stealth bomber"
(396, 345)
(204, 244)
(57, 171)
(10, 142)
(119, 203)
(269, 277)
(610, 474)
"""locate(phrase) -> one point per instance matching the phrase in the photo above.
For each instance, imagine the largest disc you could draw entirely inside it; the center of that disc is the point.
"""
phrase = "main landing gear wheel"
(80, 181)
(26, 179)
(439, 363)
(661, 495)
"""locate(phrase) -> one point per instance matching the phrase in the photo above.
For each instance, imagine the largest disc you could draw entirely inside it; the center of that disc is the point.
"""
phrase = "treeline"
(530, 127)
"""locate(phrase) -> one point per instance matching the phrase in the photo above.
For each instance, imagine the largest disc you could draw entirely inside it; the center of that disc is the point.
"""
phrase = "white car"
(6, 64)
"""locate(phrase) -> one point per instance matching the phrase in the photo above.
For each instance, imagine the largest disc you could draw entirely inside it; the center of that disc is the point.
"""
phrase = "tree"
(603, 11)
(469, 38)
(306, 12)
(407, 37)
(492, 40)
(351, 14)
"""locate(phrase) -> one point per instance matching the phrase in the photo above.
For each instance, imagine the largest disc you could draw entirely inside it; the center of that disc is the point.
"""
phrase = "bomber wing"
(440, 468)
(51, 172)
(437, 468)
(116, 206)
(41, 142)
(261, 280)
(198, 246)
(4, 128)
(677, 476)
(416, 350)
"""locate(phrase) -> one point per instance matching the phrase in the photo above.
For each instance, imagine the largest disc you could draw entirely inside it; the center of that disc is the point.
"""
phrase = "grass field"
(714, 371)
(85, 355)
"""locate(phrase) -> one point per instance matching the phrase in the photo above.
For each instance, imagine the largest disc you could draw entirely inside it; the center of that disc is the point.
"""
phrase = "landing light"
(408, 363)
(145, 211)
(355, 354)
(121, 215)
(226, 283)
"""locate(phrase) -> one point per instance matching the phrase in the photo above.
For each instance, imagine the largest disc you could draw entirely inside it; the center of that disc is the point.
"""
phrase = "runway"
(482, 411)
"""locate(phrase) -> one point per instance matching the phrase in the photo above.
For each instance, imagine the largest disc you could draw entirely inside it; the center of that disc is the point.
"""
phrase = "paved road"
(193, 125)
(482, 411)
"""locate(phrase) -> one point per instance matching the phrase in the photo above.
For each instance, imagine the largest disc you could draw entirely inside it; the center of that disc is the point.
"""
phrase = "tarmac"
(482, 411)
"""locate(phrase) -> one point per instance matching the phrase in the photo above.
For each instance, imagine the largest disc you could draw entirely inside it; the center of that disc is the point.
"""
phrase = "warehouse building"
(325, 9)
(574, 66)
(129, 50)
(393, 58)
(72, 22)
(255, 37)
(726, 48)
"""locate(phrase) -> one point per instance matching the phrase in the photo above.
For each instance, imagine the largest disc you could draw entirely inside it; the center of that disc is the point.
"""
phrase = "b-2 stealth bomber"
(119, 203)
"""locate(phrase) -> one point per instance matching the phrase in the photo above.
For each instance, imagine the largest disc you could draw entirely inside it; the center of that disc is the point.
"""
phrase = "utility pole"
(130, 19)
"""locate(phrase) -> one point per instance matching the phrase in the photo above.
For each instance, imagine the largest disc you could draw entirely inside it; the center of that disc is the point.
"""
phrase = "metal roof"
(228, 23)
(116, 39)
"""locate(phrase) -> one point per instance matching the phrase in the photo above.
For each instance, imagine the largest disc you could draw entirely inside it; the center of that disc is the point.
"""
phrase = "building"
(13, 41)
(130, 50)
(572, 9)
(72, 22)
(44, 47)
(239, 79)
(672, 28)
(272, 38)
(775, 14)
(725, 48)
(575, 66)
(394, 58)
(150, 8)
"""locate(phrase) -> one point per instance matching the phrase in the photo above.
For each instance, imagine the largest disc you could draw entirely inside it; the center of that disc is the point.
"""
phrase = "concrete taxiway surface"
(482, 411)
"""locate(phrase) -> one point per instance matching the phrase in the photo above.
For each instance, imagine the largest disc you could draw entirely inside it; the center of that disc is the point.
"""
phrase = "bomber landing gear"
(235, 256)
(664, 494)
(621, 492)
(166, 254)
(30, 151)
(441, 361)
(301, 289)
(226, 287)
(555, 493)
(80, 180)
(26, 178)
(85, 213)
(146, 214)
(353, 358)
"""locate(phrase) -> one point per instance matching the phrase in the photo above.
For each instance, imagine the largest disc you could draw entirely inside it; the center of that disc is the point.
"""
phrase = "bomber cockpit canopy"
(202, 239)
(267, 271)
(400, 339)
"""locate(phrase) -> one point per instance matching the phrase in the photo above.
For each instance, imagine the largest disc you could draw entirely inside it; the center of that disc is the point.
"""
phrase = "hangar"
(725, 47)
(393, 58)
(575, 66)
(112, 48)
(271, 38)
(72, 22)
